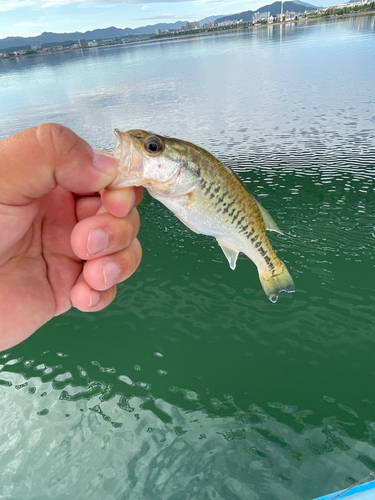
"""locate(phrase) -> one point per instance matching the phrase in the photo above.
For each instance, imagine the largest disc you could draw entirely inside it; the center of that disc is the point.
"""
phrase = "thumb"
(33, 162)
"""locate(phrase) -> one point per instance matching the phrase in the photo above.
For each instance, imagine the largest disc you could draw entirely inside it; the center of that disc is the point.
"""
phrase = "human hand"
(52, 221)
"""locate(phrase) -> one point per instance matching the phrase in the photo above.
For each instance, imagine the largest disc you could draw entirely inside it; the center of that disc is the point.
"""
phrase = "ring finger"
(104, 272)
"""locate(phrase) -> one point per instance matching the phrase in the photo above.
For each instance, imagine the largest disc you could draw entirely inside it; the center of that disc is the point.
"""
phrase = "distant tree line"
(329, 12)
(344, 10)
(166, 34)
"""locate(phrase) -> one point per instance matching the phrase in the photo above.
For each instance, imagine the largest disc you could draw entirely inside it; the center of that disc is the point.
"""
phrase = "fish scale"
(207, 196)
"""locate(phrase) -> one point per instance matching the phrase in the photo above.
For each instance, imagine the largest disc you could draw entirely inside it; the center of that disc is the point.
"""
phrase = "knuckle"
(56, 140)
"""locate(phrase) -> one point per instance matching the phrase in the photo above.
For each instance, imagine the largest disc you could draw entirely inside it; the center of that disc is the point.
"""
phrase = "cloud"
(29, 24)
(158, 18)
(8, 5)
(15, 4)
(153, 1)
(45, 4)
(83, 3)
(139, 1)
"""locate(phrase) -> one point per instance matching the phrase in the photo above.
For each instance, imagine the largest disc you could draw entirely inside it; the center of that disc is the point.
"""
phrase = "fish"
(207, 196)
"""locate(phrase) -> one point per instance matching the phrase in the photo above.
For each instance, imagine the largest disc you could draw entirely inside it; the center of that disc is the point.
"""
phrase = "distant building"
(158, 31)
(191, 26)
(289, 15)
(94, 43)
(82, 43)
(228, 23)
(210, 24)
(259, 16)
(37, 46)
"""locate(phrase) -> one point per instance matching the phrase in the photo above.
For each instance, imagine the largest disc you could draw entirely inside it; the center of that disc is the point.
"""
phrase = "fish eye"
(154, 145)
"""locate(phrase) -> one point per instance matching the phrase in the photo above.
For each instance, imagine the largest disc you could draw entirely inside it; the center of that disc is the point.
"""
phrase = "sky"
(32, 17)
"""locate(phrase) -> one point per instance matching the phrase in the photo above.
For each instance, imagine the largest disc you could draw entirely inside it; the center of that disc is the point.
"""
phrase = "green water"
(192, 385)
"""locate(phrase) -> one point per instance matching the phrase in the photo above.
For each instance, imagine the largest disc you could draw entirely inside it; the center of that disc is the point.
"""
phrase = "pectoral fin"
(269, 222)
(229, 253)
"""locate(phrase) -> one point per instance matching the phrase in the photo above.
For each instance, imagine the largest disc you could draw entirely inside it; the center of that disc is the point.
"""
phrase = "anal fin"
(230, 253)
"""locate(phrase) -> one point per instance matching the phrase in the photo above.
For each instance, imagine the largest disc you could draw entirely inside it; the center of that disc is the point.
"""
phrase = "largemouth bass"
(207, 196)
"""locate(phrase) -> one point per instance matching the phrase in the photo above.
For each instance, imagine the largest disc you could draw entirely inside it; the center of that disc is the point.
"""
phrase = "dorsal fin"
(269, 222)
(229, 253)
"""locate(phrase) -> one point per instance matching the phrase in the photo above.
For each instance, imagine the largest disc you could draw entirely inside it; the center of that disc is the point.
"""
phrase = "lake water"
(192, 385)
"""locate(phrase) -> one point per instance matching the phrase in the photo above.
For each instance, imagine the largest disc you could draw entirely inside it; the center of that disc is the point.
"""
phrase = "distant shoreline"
(206, 32)
(256, 26)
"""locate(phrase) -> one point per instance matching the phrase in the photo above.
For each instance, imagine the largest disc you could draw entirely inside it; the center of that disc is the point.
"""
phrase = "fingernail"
(105, 162)
(97, 241)
(94, 298)
(110, 271)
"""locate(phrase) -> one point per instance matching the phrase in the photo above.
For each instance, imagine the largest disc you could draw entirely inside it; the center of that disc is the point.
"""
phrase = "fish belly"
(194, 214)
(200, 218)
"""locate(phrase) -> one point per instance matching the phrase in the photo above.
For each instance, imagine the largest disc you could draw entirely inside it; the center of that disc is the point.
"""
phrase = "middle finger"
(104, 234)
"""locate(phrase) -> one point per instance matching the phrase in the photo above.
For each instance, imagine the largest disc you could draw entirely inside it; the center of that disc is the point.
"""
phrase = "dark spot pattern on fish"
(226, 209)
(219, 203)
(248, 233)
(235, 217)
(262, 251)
(239, 222)
(268, 260)
(207, 187)
(235, 214)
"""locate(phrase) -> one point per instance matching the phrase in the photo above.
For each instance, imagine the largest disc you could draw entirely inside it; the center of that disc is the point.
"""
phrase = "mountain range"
(49, 38)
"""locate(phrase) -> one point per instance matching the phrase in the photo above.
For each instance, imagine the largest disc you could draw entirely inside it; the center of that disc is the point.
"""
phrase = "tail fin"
(275, 281)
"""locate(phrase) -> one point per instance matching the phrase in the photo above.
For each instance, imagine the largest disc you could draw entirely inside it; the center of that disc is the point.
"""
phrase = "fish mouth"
(130, 170)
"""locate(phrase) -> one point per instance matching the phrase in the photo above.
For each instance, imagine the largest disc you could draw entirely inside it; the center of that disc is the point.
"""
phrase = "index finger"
(119, 202)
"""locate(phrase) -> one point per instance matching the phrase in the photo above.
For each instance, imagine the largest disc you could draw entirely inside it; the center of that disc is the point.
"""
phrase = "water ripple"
(140, 454)
(192, 384)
